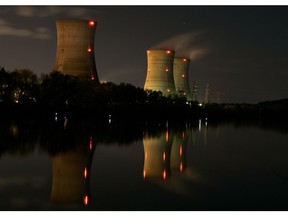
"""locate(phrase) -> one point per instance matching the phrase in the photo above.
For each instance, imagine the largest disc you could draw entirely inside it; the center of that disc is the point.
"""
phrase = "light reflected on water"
(190, 167)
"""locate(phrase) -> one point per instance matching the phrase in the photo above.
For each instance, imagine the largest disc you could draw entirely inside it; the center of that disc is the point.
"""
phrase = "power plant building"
(159, 75)
(181, 77)
(75, 48)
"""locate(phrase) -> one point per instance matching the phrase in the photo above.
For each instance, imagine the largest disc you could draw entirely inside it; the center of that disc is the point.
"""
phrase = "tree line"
(22, 91)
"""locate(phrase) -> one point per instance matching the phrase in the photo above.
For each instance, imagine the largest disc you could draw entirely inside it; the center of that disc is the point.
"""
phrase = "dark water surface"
(66, 165)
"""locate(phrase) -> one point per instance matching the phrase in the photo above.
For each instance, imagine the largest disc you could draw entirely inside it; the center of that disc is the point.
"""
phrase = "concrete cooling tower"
(160, 71)
(181, 77)
(75, 48)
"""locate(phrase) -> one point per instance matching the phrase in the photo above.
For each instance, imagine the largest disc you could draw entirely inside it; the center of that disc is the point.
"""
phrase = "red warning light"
(168, 90)
(91, 23)
(181, 167)
(164, 156)
(92, 78)
(184, 60)
(183, 75)
(89, 49)
(91, 141)
(85, 172)
(148, 51)
(86, 200)
(168, 51)
(164, 174)
(167, 70)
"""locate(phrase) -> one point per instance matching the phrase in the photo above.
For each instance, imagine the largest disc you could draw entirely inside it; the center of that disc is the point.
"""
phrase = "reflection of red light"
(164, 174)
(181, 167)
(144, 174)
(91, 23)
(167, 136)
(85, 172)
(168, 51)
(164, 156)
(86, 200)
(92, 77)
(183, 135)
(180, 151)
(89, 49)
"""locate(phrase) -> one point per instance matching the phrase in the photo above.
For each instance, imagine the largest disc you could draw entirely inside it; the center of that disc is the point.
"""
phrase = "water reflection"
(178, 152)
(157, 150)
(71, 175)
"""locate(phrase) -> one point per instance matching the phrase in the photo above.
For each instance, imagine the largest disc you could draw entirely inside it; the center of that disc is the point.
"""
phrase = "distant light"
(184, 93)
(168, 51)
(164, 156)
(184, 60)
(183, 75)
(86, 200)
(181, 167)
(200, 104)
(89, 49)
(148, 51)
(91, 23)
(168, 90)
(92, 77)
(167, 70)
(180, 150)
(183, 135)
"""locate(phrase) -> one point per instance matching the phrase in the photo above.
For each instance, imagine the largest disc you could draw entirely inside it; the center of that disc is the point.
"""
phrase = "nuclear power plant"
(181, 77)
(75, 48)
(160, 71)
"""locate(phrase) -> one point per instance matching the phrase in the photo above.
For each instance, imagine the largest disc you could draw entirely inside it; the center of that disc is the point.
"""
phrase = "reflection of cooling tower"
(75, 48)
(157, 155)
(160, 71)
(178, 152)
(71, 177)
(181, 77)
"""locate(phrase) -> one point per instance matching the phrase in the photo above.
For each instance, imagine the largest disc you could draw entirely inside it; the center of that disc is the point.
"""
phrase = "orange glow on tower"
(181, 167)
(148, 51)
(86, 200)
(168, 51)
(144, 174)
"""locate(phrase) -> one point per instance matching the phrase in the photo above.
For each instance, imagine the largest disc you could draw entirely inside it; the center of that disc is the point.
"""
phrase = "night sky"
(241, 51)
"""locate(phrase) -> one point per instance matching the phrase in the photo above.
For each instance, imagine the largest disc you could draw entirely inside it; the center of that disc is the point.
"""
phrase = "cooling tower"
(160, 71)
(75, 48)
(181, 77)
(157, 155)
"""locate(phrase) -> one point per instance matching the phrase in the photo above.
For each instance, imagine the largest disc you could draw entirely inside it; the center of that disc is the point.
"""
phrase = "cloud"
(46, 11)
(185, 45)
(6, 29)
